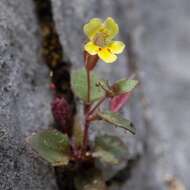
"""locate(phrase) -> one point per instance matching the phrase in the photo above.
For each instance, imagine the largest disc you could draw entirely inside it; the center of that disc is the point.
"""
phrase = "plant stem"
(96, 106)
(85, 139)
(88, 113)
(87, 108)
(90, 62)
(89, 85)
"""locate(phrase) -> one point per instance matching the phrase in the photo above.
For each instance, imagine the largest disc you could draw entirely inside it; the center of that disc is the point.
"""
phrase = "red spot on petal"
(109, 50)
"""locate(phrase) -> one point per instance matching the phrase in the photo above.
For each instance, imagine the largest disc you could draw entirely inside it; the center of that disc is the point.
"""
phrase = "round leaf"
(80, 86)
(51, 145)
(109, 149)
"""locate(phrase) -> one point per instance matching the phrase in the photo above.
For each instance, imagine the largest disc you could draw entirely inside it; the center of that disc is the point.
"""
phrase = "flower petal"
(92, 27)
(117, 47)
(107, 56)
(91, 48)
(112, 27)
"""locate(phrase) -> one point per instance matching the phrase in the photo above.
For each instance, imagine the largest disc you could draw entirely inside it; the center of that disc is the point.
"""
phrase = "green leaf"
(80, 87)
(123, 86)
(91, 179)
(104, 84)
(51, 145)
(109, 149)
(117, 120)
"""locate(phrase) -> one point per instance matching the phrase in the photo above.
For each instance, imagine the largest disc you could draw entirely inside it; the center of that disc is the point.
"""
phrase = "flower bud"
(90, 61)
(62, 113)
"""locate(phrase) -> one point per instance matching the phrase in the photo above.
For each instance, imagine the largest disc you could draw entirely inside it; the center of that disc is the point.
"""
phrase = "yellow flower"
(100, 35)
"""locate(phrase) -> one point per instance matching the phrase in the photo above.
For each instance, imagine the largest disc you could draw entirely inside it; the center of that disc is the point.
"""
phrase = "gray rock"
(24, 98)
(159, 31)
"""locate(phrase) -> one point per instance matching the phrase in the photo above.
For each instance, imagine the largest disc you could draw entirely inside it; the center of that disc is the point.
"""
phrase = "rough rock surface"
(24, 98)
(157, 33)
(160, 31)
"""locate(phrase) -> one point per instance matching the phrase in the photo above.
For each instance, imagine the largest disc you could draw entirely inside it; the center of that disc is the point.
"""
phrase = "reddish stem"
(87, 121)
(90, 63)
(95, 107)
(87, 108)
